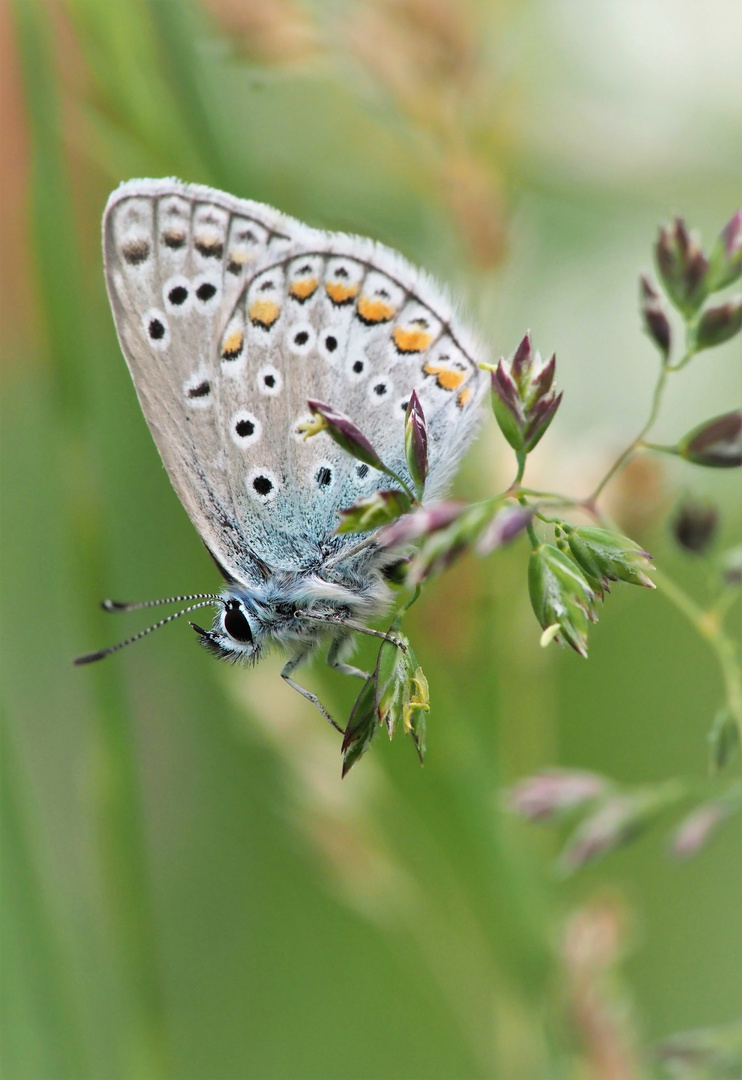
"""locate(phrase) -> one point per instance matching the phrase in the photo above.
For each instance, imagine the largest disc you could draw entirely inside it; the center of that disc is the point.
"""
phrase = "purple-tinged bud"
(422, 522)
(716, 443)
(508, 523)
(695, 525)
(416, 443)
(554, 792)
(560, 596)
(697, 829)
(373, 511)
(345, 433)
(539, 418)
(725, 259)
(656, 322)
(542, 381)
(523, 399)
(682, 266)
(520, 364)
(608, 555)
(441, 547)
(718, 324)
(507, 407)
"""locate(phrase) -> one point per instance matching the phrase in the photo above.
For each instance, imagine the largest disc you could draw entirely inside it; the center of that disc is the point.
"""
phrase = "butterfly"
(232, 316)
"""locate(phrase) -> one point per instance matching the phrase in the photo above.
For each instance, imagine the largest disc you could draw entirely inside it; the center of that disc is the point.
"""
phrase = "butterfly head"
(236, 634)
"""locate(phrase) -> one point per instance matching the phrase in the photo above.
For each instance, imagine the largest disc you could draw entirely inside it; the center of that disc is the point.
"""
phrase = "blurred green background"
(190, 892)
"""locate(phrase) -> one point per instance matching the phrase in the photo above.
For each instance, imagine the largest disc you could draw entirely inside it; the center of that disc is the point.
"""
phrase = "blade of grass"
(116, 799)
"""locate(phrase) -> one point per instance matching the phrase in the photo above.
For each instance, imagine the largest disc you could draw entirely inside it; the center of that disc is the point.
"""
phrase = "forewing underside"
(223, 375)
(176, 258)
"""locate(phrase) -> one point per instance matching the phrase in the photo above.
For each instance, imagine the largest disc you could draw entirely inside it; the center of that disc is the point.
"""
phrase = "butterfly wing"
(176, 258)
(224, 378)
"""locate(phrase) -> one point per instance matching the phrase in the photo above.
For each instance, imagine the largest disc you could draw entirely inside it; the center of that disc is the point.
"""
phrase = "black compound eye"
(235, 623)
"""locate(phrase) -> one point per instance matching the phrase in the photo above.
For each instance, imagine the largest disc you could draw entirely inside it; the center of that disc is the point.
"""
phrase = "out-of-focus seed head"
(718, 324)
(682, 266)
(508, 523)
(695, 525)
(617, 820)
(421, 522)
(654, 313)
(554, 792)
(698, 827)
(725, 258)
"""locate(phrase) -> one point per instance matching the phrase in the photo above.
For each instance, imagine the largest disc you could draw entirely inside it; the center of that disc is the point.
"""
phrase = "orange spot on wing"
(303, 288)
(411, 341)
(463, 397)
(264, 313)
(340, 293)
(374, 311)
(447, 378)
(232, 346)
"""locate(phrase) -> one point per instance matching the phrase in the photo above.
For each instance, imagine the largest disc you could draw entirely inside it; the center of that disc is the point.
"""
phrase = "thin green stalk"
(708, 624)
(622, 459)
(117, 804)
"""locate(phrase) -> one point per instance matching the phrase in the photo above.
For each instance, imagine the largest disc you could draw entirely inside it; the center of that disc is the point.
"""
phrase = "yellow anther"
(313, 426)
(421, 701)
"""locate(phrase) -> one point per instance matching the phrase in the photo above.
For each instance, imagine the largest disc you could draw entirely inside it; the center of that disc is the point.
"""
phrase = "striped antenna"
(89, 658)
(118, 605)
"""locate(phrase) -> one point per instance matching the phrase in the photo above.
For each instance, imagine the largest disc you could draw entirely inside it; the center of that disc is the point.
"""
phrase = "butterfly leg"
(288, 667)
(335, 660)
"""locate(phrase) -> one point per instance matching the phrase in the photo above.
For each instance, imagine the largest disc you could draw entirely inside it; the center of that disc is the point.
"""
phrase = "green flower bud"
(560, 596)
(608, 555)
(362, 725)
(397, 692)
